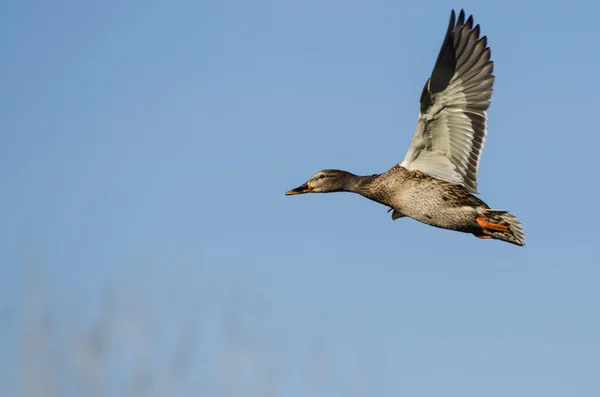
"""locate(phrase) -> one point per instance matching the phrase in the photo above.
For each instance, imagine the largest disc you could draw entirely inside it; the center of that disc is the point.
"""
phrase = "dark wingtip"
(444, 65)
(452, 21)
(469, 23)
(461, 18)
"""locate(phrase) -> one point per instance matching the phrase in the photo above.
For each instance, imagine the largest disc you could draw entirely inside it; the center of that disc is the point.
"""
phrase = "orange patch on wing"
(491, 226)
(484, 236)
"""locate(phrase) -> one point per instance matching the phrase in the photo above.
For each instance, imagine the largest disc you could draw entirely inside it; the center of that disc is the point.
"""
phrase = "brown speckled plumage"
(425, 199)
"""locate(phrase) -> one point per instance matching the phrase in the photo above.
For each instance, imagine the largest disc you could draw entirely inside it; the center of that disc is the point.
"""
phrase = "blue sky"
(145, 150)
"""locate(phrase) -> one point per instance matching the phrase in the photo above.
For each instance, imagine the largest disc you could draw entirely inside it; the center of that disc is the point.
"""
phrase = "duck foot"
(491, 226)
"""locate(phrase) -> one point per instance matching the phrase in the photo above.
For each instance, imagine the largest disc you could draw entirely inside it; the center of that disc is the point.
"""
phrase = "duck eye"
(322, 176)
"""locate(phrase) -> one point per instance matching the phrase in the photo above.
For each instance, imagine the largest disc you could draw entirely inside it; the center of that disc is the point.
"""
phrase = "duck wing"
(452, 125)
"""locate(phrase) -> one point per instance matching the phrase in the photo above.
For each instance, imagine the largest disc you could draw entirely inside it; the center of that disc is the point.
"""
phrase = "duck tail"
(500, 225)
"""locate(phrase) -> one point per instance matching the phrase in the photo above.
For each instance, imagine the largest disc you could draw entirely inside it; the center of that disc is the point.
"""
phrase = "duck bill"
(300, 190)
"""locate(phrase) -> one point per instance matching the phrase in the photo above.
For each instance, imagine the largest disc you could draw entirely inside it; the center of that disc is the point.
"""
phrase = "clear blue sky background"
(145, 149)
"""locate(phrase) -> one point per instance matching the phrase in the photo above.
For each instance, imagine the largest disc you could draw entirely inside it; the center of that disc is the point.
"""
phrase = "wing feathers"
(452, 125)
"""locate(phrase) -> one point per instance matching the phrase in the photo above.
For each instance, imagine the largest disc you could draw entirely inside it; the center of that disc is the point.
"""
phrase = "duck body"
(426, 199)
(439, 203)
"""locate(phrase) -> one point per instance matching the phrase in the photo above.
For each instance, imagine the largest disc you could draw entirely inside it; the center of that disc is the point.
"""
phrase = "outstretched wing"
(452, 125)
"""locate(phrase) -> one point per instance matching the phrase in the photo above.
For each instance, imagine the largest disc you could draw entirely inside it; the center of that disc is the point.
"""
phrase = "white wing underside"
(452, 125)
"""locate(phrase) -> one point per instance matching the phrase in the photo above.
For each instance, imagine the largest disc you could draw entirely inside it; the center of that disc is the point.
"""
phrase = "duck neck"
(358, 184)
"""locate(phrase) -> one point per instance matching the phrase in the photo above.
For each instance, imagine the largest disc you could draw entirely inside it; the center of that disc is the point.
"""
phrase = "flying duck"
(436, 182)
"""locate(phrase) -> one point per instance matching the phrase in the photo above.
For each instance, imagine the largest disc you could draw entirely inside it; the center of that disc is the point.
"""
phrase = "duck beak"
(299, 190)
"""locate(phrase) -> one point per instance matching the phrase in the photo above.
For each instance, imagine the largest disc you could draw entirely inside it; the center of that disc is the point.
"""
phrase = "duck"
(436, 182)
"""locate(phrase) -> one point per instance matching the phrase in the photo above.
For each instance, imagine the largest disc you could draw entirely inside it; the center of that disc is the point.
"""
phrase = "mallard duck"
(436, 182)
